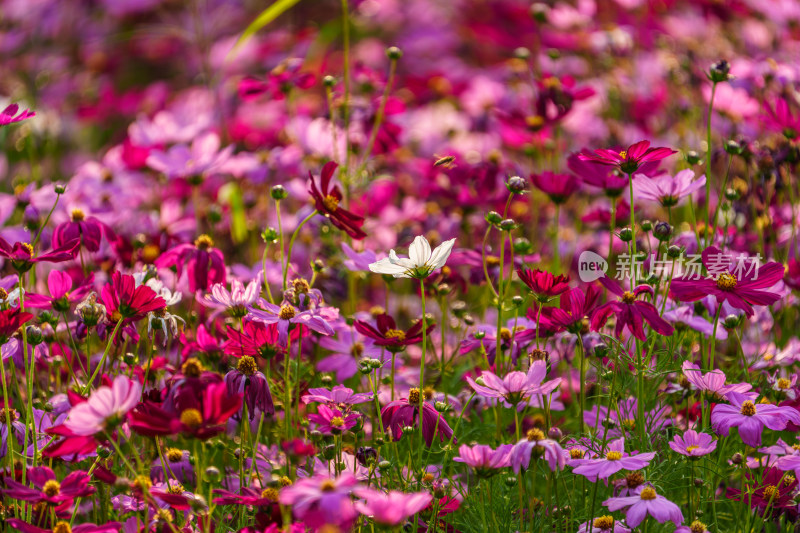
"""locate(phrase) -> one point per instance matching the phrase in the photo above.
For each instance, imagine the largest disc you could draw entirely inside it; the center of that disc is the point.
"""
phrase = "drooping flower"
(106, 407)
(615, 459)
(536, 444)
(420, 262)
(628, 161)
(645, 502)
(736, 283)
(751, 418)
(62, 292)
(693, 444)
(327, 200)
(321, 500)
(391, 508)
(405, 412)
(630, 312)
(88, 231)
(204, 265)
(337, 396)
(249, 382)
(667, 190)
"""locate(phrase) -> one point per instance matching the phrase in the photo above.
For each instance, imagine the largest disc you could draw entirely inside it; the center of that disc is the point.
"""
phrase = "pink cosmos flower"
(62, 293)
(604, 524)
(693, 444)
(204, 264)
(331, 421)
(645, 502)
(321, 500)
(391, 508)
(615, 460)
(665, 189)
(236, 300)
(780, 118)
(485, 460)
(751, 418)
(45, 487)
(516, 387)
(738, 283)
(713, 382)
(628, 161)
(105, 408)
(7, 115)
(558, 187)
(535, 440)
(201, 158)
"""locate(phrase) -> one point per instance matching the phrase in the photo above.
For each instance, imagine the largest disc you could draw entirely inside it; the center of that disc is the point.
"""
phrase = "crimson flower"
(774, 493)
(630, 312)
(10, 321)
(628, 161)
(125, 301)
(45, 487)
(22, 255)
(204, 264)
(387, 334)
(559, 187)
(327, 199)
(574, 306)
(741, 286)
(542, 283)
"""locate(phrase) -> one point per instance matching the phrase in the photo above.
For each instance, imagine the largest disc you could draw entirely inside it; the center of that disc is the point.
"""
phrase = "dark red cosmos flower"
(542, 283)
(10, 321)
(198, 413)
(628, 161)
(204, 264)
(387, 334)
(558, 187)
(574, 306)
(256, 339)
(62, 526)
(125, 301)
(86, 230)
(775, 492)
(45, 487)
(404, 413)
(630, 312)
(22, 255)
(327, 199)
(740, 285)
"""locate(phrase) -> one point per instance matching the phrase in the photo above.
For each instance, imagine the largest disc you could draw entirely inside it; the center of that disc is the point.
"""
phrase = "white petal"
(385, 266)
(441, 253)
(401, 261)
(420, 251)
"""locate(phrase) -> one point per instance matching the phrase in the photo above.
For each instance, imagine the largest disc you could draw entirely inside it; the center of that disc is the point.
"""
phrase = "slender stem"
(633, 233)
(422, 365)
(378, 119)
(708, 161)
(102, 359)
(291, 245)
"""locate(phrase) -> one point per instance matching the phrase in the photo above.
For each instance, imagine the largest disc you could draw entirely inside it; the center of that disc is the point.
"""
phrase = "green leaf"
(266, 16)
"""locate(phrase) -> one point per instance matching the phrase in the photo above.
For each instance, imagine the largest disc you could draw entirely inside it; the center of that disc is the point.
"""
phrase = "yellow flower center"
(331, 203)
(327, 486)
(575, 453)
(690, 449)
(604, 522)
(535, 435)
(648, 493)
(204, 242)
(337, 421)
(413, 396)
(247, 365)
(623, 154)
(192, 368)
(614, 456)
(142, 483)
(697, 527)
(270, 494)
(357, 349)
(191, 417)
(726, 282)
(784, 383)
(62, 527)
(287, 312)
(505, 334)
(174, 455)
(175, 488)
(28, 248)
(51, 487)
(395, 334)
(13, 412)
(78, 215)
(629, 424)
(628, 297)
(748, 409)
(284, 481)
(770, 491)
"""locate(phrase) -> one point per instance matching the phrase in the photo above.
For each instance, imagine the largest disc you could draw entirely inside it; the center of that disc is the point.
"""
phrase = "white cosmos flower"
(419, 263)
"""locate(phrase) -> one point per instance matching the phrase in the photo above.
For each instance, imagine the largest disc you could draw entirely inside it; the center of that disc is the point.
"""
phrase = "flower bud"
(270, 235)
(458, 308)
(479, 335)
(278, 192)
(646, 225)
(522, 246)
(508, 224)
(510, 481)
(384, 465)
(103, 452)
(394, 53)
(493, 217)
(692, 157)
(60, 188)
(625, 234)
(326, 380)
(737, 458)
(516, 185)
(719, 71)
(517, 300)
(34, 334)
(733, 147)
(469, 320)
(329, 81)
(674, 252)
(555, 433)
(522, 53)
(539, 11)
(441, 407)
(662, 231)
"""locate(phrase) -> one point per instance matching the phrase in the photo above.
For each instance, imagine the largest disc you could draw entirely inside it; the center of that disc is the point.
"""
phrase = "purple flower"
(615, 460)
(630, 312)
(192, 162)
(285, 316)
(537, 445)
(204, 264)
(348, 348)
(358, 261)
(485, 460)
(87, 230)
(393, 508)
(622, 420)
(695, 527)
(751, 418)
(646, 502)
(331, 421)
(321, 500)
(665, 189)
(604, 524)
(337, 396)
(405, 412)
(7, 115)
(693, 444)
(516, 387)
(105, 408)
(245, 379)
(684, 316)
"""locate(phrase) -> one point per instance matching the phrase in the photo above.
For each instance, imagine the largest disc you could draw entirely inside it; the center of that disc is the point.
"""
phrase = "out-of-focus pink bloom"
(393, 507)
(7, 115)
(106, 407)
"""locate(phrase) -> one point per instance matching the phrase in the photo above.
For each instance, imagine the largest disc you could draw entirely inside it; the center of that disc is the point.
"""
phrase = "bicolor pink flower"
(751, 418)
(337, 396)
(391, 508)
(234, 301)
(615, 459)
(106, 407)
(693, 444)
(646, 501)
(628, 161)
(630, 312)
(331, 421)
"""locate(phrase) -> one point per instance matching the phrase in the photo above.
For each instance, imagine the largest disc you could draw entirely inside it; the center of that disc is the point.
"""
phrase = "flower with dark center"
(387, 334)
(247, 366)
(629, 311)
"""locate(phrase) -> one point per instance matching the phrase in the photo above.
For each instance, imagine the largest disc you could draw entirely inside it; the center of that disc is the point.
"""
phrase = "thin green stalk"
(291, 245)
(102, 359)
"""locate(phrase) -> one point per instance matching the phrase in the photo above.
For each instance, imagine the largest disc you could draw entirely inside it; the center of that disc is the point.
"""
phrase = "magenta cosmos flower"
(23, 257)
(630, 312)
(62, 526)
(665, 189)
(45, 487)
(9, 115)
(204, 264)
(404, 413)
(693, 444)
(780, 118)
(543, 284)
(391, 508)
(628, 161)
(741, 285)
(337, 396)
(125, 301)
(485, 460)
(558, 187)
(105, 408)
(327, 199)
(751, 418)
(537, 445)
(645, 502)
(62, 293)
(320, 500)
(516, 387)
(615, 460)
(331, 421)
(88, 231)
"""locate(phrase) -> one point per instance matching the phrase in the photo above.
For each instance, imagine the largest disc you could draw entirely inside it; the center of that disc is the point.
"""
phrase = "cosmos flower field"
(399, 265)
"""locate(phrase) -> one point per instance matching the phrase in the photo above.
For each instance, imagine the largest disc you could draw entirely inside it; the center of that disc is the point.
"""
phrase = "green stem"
(708, 160)
(291, 245)
(102, 359)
